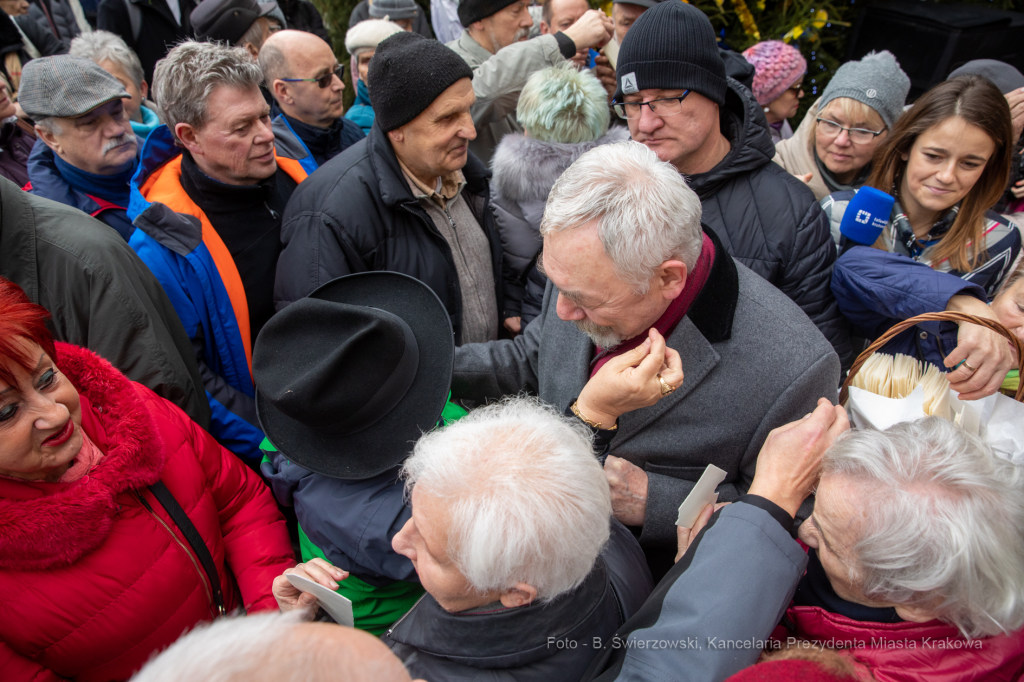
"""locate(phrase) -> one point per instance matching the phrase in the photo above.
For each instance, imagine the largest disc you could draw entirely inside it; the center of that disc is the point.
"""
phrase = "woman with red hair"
(122, 523)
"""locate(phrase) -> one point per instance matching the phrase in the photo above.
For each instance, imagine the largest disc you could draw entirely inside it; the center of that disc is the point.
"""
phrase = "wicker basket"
(934, 317)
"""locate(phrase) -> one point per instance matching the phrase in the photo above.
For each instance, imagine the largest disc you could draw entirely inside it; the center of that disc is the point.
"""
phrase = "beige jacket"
(497, 81)
(796, 154)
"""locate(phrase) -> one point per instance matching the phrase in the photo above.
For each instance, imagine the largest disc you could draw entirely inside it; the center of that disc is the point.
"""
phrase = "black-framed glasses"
(323, 81)
(858, 135)
(667, 106)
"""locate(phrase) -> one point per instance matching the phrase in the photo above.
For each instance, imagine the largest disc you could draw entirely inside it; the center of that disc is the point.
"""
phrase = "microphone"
(866, 216)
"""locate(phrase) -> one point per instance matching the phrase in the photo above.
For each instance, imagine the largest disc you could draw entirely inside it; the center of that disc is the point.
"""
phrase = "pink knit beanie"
(777, 66)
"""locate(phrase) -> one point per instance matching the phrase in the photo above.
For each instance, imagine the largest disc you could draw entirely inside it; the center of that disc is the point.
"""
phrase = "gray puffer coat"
(524, 170)
(56, 17)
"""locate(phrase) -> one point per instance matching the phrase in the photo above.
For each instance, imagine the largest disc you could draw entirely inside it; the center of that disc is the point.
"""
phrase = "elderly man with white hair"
(272, 648)
(625, 252)
(511, 535)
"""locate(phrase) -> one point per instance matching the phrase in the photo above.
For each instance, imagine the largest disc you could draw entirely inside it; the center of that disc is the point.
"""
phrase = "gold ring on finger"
(970, 367)
(666, 388)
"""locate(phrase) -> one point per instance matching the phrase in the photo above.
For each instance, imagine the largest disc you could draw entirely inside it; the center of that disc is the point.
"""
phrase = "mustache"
(522, 34)
(121, 141)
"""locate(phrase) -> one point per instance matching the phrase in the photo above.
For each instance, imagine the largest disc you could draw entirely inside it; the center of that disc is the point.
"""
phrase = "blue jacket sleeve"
(876, 289)
(712, 613)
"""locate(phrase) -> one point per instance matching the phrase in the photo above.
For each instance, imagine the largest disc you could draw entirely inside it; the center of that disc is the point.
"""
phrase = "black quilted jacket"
(769, 220)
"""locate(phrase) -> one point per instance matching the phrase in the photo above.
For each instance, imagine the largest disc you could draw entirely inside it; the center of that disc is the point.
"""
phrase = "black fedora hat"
(350, 377)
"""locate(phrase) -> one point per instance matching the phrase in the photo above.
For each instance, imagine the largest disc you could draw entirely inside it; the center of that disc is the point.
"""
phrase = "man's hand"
(628, 484)
(514, 324)
(1015, 98)
(989, 354)
(606, 74)
(290, 598)
(593, 29)
(789, 462)
(631, 381)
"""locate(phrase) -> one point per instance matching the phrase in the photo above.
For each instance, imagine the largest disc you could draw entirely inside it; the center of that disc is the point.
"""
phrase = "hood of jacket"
(525, 168)
(744, 124)
(48, 525)
(932, 651)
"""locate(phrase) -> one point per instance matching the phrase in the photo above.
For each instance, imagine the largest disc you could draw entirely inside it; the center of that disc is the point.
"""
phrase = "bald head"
(275, 648)
(300, 55)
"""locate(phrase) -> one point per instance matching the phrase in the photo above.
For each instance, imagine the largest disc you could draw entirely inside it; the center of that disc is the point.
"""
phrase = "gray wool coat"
(752, 359)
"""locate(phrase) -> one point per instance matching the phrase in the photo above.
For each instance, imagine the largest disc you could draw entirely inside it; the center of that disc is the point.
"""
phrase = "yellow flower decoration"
(746, 19)
(820, 18)
(793, 33)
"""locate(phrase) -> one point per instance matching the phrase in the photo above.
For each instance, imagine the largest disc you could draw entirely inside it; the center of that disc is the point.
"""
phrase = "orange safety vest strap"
(164, 186)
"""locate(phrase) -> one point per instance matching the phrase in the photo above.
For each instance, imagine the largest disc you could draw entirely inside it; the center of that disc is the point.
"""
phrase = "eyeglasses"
(668, 106)
(797, 88)
(857, 135)
(322, 81)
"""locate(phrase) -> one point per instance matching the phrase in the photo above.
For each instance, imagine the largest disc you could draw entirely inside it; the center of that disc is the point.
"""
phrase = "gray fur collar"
(525, 168)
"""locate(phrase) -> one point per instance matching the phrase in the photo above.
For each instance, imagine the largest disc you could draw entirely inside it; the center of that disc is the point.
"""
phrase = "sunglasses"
(322, 81)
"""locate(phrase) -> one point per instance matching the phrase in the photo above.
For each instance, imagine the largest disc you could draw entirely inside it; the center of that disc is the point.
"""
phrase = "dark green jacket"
(101, 296)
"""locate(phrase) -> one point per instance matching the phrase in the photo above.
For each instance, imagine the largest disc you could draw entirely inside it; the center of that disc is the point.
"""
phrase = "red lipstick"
(61, 437)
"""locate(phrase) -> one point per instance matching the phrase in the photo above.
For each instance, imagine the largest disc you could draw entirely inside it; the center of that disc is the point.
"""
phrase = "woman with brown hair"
(946, 162)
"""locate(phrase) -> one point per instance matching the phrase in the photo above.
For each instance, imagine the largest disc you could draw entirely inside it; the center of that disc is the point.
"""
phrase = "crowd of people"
(459, 352)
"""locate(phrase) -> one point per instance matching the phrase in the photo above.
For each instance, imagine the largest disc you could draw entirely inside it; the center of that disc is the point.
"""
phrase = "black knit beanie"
(671, 47)
(407, 73)
(475, 10)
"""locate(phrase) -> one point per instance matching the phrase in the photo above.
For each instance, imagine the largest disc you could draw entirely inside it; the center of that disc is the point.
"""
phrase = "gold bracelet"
(591, 424)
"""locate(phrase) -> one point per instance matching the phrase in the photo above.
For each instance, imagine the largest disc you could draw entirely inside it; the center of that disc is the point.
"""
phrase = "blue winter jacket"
(876, 289)
(361, 111)
(190, 261)
(291, 146)
(46, 181)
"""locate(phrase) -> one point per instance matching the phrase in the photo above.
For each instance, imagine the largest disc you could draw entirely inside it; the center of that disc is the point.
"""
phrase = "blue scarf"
(149, 121)
(113, 188)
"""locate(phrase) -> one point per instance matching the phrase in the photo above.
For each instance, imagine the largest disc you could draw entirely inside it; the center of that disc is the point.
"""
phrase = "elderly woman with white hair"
(564, 113)
(916, 560)
(115, 57)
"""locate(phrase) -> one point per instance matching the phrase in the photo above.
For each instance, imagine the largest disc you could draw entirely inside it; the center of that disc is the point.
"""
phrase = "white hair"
(528, 500)
(943, 523)
(184, 80)
(646, 214)
(270, 647)
(101, 46)
(50, 125)
(224, 650)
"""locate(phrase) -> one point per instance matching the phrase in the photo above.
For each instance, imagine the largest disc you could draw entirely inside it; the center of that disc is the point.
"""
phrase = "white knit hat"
(367, 34)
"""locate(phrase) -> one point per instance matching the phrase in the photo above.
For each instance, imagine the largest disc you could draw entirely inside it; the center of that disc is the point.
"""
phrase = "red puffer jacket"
(91, 581)
(908, 652)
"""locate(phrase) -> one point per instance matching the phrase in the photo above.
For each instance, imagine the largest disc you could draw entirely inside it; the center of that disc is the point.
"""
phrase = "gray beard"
(603, 337)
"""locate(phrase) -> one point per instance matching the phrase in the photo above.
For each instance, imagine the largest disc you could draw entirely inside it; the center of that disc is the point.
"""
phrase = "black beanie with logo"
(671, 47)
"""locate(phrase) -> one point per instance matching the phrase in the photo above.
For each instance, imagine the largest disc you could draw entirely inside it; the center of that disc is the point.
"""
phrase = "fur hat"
(777, 66)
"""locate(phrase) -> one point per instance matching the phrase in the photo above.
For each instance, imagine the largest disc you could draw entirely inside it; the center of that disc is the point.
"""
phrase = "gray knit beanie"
(876, 80)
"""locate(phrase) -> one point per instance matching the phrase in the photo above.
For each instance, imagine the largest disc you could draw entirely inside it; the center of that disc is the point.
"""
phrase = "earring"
(766, 110)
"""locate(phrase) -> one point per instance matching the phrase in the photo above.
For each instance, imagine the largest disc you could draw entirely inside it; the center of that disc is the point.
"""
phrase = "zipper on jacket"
(202, 575)
(273, 214)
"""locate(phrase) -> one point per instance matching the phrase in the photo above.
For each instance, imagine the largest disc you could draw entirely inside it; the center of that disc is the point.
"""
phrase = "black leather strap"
(195, 540)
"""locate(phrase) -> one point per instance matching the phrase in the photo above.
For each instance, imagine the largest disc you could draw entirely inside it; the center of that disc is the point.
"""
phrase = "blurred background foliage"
(819, 28)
